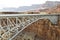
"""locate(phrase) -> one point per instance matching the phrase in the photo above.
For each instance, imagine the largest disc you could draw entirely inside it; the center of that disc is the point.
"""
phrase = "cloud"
(17, 3)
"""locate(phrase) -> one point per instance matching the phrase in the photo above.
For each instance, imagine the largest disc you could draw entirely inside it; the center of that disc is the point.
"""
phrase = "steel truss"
(12, 24)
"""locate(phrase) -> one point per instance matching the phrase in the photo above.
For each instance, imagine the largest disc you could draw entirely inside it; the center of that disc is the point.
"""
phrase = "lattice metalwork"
(10, 26)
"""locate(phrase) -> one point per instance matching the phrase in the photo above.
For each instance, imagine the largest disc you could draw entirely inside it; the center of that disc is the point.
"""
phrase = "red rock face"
(44, 29)
(52, 10)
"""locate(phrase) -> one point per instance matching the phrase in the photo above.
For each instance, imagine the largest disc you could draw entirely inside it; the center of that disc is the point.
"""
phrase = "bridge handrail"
(13, 15)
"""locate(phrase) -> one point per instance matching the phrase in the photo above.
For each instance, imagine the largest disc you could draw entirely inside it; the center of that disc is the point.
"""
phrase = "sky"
(19, 3)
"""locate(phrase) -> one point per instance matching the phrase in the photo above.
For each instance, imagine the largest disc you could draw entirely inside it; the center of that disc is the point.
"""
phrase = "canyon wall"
(45, 29)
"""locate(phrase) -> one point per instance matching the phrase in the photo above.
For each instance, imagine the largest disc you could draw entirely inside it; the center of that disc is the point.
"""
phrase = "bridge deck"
(11, 15)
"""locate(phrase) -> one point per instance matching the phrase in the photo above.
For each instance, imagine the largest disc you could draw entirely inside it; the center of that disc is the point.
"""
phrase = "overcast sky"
(17, 3)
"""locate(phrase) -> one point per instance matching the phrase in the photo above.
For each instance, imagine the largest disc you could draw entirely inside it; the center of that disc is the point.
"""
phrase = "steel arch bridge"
(12, 24)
